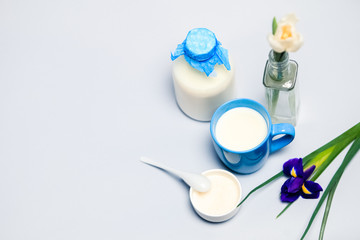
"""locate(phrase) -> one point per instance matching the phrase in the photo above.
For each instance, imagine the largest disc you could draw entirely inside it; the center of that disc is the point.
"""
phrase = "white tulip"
(286, 38)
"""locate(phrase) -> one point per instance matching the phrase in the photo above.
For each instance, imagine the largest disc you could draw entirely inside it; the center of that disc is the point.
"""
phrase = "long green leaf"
(334, 180)
(287, 206)
(335, 151)
(327, 211)
(348, 135)
(262, 185)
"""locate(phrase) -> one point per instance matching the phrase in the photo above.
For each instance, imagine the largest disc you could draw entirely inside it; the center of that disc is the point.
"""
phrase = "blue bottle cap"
(202, 51)
(200, 44)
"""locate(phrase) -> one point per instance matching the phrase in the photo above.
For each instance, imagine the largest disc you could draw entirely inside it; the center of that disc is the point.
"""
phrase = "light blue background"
(86, 89)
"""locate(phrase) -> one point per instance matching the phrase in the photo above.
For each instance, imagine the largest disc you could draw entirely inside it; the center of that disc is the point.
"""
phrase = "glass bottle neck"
(278, 65)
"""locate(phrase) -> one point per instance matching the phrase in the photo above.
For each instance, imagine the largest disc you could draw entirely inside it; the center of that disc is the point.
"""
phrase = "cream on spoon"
(197, 181)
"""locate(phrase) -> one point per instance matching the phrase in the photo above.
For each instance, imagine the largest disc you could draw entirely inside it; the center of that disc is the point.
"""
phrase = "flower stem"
(279, 56)
(274, 98)
(278, 76)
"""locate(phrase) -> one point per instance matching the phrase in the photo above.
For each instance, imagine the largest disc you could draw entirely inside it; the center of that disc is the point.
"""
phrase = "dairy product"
(199, 95)
(221, 200)
(241, 129)
(203, 74)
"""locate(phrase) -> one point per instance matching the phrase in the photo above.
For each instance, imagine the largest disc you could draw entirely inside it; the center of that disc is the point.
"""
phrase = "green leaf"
(323, 159)
(334, 180)
(321, 165)
(327, 210)
(347, 136)
(262, 185)
(287, 206)
(274, 26)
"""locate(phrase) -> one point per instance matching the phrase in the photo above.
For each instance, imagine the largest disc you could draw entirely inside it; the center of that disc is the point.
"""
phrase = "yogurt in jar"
(220, 202)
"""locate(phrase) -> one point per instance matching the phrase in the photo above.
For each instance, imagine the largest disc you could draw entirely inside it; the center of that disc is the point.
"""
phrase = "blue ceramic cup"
(253, 159)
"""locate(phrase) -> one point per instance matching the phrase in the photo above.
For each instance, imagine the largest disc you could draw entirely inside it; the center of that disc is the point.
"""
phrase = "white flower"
(286, 38)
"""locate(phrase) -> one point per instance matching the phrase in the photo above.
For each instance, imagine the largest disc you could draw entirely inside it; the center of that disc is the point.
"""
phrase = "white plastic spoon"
(197, 181)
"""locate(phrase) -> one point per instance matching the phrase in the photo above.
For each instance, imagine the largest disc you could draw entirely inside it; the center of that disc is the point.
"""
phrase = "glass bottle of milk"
(282, 90)
(203, 74)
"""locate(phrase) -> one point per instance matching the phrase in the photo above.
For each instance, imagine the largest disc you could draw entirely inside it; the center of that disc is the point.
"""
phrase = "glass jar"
(281, 88)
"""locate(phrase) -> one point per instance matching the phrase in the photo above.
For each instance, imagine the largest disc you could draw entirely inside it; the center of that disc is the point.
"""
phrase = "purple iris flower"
(297, 185)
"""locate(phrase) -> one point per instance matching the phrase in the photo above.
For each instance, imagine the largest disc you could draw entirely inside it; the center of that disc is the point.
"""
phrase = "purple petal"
(284, 187)
(289, 197)
(308, 172)
(286, 196)
(294, 184)
(311, 189)
(293, 167)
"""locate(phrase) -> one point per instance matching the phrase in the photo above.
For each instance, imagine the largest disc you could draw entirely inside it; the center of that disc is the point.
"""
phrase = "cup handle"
(285, 129)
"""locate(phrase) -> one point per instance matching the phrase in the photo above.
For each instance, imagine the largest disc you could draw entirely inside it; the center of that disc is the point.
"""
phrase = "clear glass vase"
(282, 90)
